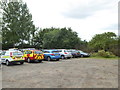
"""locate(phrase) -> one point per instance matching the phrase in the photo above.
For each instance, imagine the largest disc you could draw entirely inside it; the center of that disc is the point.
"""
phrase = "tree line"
(18, 30)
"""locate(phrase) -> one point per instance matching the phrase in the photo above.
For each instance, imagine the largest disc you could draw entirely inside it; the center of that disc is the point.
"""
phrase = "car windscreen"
(17, 53)
(81, 51)
(38, 52)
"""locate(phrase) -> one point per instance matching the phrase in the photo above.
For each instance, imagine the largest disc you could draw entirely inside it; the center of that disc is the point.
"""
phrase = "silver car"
(65, 54)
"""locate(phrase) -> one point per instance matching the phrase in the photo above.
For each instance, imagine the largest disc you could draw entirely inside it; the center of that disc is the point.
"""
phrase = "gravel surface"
(69, 73)
(0, 78)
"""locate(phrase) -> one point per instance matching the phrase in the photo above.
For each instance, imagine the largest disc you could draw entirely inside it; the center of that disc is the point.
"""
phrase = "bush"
(102, 53)
(94, 54)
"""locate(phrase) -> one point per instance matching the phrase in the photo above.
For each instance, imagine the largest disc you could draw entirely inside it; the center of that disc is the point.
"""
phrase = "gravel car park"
(70, 73)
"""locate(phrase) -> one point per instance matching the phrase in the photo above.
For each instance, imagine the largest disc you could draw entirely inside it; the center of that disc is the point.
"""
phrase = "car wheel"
(7, 63)
(28, 60)
(73, 56)
(40, 61)
(81, 55)
(57, 59)
(63, 57)
(68, 57)
(21, 62)
(48, 58)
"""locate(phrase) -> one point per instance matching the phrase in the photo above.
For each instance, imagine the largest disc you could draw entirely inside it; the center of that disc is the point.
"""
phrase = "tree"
(103, 41)
(18, 27)
(61, 38)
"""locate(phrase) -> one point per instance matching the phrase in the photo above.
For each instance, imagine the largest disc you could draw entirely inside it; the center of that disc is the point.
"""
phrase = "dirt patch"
(69, 73)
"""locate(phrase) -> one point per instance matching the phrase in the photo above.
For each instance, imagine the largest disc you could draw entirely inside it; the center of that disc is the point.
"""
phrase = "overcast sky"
(86, 17)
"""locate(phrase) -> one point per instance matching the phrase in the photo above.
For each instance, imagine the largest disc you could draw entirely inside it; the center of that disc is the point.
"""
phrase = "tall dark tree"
(18, 26)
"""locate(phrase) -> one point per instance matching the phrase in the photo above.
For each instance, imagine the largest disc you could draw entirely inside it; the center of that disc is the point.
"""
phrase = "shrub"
(94, 54)
(102, 53)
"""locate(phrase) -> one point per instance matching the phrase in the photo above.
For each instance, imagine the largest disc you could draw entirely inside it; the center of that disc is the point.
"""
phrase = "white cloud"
(87, 17)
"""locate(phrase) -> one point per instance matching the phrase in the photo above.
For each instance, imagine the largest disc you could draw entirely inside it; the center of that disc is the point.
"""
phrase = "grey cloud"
(82, 11)
(112, 27)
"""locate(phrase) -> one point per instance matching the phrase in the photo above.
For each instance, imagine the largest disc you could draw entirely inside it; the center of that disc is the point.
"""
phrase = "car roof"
(32, 50)
(13, 51)
(50, 50)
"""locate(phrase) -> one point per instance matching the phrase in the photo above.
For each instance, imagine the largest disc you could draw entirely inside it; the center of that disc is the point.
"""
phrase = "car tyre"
(28, 60)
(7, 63)
(21, 62)
(48, 58)
(68, 57)
(63, 57)
(81, 55)
(40, 61)
(57, 59)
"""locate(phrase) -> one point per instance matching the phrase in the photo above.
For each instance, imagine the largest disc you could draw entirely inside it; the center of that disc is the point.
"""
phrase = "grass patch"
(112, 58)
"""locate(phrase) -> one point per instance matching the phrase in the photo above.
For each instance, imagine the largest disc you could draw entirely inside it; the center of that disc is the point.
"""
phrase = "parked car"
(65, 54)
(51, 55)
(12, 56)
(74, 53)
(33, 55)
(83, 54)
(0, 60)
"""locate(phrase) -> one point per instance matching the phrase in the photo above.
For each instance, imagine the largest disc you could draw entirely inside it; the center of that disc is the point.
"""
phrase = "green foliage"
(17, 28)
(102, 53)
(39, 36)
(102, 41)
(57, 38)
(107, 41)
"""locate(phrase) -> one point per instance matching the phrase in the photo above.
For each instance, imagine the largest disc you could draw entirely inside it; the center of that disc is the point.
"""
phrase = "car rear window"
(46, 51)
(55, 51)
(38, 52)
(59, 50)
(69, 51)
(17, 53)
(28, 52)
(66, 51)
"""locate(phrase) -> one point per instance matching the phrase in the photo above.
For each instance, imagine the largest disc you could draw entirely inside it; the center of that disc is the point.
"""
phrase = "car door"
(26, 52)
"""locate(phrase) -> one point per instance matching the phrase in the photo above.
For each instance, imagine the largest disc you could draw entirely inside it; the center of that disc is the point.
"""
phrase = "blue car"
(51, 55)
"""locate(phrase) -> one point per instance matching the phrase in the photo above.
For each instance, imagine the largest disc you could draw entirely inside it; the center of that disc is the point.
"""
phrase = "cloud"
(86, 17)
(84, 10)
(112, 27)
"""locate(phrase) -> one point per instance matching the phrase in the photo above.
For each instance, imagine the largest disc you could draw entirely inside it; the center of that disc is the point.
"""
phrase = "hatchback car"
(65, 53)
(74, 53)
(51, 55)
